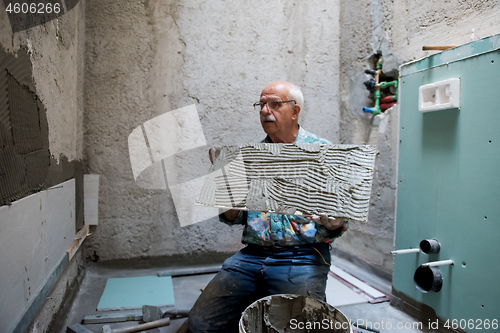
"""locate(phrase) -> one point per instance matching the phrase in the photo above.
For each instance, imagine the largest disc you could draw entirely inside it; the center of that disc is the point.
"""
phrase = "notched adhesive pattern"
(24, 141)
(298, 179)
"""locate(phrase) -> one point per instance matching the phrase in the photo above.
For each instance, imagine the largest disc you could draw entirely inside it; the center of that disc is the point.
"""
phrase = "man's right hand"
(329, 223)
(213, 153)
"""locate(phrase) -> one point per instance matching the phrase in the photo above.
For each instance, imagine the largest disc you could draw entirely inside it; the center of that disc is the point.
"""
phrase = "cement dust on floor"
(186, 291)
(381, 316)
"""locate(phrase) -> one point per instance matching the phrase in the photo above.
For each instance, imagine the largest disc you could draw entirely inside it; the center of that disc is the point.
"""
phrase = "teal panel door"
(449, 184)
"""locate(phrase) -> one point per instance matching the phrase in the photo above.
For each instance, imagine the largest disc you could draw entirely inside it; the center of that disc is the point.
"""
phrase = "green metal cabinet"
(449, 183)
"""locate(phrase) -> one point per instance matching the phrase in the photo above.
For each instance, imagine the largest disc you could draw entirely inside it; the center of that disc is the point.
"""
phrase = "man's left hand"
(328, 222)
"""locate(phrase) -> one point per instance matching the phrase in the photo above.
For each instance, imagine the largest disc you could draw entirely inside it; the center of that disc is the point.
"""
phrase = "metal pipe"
(190, 271)
(405, 251)
(438, 263)
(436, 48)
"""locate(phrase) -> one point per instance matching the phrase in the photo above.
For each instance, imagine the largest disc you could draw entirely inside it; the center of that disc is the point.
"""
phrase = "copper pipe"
(436, 48)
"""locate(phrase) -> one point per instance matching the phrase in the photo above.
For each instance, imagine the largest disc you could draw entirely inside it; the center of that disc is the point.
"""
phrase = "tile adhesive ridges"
(299, 179)
(24, 144)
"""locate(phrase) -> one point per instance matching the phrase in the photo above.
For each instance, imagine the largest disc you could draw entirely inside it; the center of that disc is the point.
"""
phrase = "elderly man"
(285, 254)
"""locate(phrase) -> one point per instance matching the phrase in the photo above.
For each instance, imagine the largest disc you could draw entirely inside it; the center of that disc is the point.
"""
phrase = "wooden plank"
(129, 315)
(112, 317)
(436, 48)
(79, 238)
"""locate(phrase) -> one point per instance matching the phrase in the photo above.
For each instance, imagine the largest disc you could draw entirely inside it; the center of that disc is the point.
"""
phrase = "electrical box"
(449, 182)
(440, 95)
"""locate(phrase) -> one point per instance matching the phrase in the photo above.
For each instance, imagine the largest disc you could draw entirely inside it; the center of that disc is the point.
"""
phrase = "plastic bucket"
(292, 313)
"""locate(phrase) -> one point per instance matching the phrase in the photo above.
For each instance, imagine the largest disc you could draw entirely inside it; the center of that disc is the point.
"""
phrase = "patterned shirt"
(284, 230)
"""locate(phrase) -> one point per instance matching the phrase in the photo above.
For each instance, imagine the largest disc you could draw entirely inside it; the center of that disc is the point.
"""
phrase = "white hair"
(295, 93)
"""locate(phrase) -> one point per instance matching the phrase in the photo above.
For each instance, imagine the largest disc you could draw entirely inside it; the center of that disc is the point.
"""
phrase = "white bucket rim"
(242, 329)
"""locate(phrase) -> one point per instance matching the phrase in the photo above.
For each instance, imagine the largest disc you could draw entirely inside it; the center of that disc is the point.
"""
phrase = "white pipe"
(439, 263)
(405, 251)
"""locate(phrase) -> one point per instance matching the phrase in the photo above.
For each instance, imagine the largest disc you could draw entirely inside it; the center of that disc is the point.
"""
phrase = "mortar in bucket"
(292, 313)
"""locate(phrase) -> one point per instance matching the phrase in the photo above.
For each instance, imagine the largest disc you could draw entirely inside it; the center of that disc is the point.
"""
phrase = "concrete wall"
(54, 53)
(398, 29)
(147, 58)
(56, 50)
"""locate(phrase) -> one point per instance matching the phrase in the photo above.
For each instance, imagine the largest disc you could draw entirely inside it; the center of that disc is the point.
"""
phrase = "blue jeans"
(256, 272)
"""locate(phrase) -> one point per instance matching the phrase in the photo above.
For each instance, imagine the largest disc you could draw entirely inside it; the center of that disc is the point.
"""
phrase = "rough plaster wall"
(147, 58)
(452, 22)
(56, 49)
(399, 29)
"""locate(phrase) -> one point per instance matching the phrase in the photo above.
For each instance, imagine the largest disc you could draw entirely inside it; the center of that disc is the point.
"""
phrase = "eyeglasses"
(271, 105)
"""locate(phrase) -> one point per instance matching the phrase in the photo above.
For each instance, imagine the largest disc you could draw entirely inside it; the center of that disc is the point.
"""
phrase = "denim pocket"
(304, 274)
